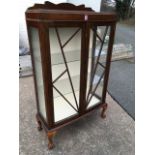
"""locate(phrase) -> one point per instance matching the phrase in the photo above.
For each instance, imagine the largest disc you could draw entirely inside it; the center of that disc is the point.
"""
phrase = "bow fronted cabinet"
(71, 48)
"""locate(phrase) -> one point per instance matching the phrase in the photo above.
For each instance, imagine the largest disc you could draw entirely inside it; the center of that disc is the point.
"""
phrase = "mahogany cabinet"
(71, 48)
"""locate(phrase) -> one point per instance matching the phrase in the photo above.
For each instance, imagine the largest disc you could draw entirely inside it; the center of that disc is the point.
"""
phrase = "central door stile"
(84, 66)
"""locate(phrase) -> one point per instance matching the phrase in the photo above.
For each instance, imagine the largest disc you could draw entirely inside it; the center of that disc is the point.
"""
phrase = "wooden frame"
(44, 16)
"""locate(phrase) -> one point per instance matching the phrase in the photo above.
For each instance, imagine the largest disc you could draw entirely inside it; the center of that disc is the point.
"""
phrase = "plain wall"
(94, 4)
(24, 4)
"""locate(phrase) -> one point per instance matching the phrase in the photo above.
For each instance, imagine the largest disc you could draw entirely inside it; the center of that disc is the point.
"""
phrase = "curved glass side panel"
(34, 38)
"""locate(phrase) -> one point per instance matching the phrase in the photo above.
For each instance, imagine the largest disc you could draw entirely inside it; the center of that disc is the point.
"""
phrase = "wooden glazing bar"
(101, 64)
(96, 87)
(95, 32)
(64, 98)
(60, 76)
(70, 38)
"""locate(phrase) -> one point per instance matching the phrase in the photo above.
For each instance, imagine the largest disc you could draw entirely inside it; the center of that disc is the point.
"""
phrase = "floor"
(122, 73)
(89, 136)
(122, 84)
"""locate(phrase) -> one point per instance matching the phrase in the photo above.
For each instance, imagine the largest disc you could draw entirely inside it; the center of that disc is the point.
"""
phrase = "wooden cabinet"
(71, 48)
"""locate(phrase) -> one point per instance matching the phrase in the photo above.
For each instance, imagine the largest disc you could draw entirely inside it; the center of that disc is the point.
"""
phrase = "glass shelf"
(63, 83)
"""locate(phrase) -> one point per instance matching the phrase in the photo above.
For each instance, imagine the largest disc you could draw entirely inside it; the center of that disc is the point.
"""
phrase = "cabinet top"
(67, 12)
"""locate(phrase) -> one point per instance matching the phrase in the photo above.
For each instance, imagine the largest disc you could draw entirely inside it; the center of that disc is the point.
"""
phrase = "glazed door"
(100, 48)
(65, 50)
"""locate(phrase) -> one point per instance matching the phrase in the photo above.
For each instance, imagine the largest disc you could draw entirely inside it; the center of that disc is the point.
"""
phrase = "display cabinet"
(71, 48)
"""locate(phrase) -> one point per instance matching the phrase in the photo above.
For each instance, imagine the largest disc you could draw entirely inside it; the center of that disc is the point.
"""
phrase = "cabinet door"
(65, 49)
(98, 47)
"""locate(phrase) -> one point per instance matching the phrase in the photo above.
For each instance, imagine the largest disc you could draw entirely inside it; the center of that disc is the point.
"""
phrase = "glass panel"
(65, 46)
(96, 65)
(38, 69)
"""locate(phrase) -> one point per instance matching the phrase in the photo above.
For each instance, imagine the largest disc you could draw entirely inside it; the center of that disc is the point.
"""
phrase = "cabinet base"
(51, 132)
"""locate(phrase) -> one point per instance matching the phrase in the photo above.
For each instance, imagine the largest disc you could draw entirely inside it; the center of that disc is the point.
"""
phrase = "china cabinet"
(71, 48)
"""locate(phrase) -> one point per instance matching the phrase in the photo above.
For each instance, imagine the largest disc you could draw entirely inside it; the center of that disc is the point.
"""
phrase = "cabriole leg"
(39, 123)
(50, 135)
(104, 108)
